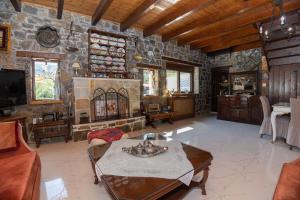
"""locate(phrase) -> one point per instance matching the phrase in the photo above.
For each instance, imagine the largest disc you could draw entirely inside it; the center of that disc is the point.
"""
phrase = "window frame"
(178, 70)
(150, 69)
(35, 101)
(191, 81)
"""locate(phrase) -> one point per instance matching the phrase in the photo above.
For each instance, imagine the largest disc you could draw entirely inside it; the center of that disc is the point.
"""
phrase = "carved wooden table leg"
(152, 124)
(203, 181)
(170, 120)
(96, 181)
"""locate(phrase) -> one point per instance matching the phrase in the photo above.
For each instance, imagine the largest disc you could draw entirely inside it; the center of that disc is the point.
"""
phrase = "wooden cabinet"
(240, 109)
(51, 129)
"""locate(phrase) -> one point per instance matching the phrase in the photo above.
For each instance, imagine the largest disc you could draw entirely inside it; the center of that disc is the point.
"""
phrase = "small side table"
(152, 117)
(21, 119)
(51, 129)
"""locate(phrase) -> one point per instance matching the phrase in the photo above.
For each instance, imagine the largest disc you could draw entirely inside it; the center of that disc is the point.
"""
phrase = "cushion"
(101, 142)
(288, 186)
(9, 136)
(108, 134)
(18, 175)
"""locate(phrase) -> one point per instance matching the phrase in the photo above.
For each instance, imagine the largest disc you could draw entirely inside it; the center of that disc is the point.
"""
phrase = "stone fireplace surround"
(84, 90)
(83, 94)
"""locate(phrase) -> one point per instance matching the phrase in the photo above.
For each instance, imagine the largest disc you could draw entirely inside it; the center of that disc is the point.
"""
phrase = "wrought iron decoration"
(48, 37)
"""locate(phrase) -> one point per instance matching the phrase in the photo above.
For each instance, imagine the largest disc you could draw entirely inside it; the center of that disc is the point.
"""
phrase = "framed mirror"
(4, 37)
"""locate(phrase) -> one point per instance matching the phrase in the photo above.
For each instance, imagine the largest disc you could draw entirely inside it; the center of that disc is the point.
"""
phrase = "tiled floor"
(245, 167)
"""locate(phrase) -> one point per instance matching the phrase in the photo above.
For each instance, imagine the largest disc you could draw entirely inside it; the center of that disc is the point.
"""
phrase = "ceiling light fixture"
(288, 30)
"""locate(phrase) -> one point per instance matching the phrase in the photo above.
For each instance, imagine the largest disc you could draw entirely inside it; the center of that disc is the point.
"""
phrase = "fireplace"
(110, 104)
(106, 103)
(105, 99)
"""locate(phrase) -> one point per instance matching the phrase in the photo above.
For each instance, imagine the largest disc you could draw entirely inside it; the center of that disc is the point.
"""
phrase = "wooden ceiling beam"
(238, 33)
(60, 8)
(137, 14)
(243, 47)
(100, 10)
(237, 9)
(17, 5)
(219, 34)
(232, 43)
(262, 13)
(171, 15)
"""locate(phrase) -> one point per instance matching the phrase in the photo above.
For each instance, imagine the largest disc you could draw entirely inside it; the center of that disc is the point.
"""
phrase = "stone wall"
(26, 23)
(249, 60)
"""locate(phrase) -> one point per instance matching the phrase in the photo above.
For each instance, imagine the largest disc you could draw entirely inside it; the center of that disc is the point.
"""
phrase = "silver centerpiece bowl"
(145, 149)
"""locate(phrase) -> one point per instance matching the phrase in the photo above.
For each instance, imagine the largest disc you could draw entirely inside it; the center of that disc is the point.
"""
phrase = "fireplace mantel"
(106, 79)
(84, 88)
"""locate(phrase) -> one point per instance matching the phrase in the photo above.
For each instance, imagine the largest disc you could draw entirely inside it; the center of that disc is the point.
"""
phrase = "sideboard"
(239, 108)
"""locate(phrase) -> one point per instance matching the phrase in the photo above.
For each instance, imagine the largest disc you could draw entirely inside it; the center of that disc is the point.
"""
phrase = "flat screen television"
(12, 88)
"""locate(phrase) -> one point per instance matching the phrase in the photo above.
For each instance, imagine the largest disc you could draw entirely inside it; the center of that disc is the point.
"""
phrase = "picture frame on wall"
(4, 37)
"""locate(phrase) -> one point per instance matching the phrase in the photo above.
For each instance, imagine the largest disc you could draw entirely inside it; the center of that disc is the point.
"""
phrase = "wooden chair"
(293, 136)
(282, 122)
(266, 127)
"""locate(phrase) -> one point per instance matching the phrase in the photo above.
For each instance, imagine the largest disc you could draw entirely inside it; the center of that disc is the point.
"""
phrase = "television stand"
(21, 119)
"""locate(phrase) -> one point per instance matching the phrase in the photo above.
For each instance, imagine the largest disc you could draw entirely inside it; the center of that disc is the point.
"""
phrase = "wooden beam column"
(137, 14)
(17, 5)
(234, 9)
(252, 16)
(171, 15)
(60, 8)
(100, 10)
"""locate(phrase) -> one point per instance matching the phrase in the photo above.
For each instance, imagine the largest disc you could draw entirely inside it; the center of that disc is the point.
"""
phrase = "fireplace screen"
(111, 104)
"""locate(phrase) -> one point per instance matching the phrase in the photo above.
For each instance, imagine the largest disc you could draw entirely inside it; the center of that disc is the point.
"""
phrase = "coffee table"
(146, 188)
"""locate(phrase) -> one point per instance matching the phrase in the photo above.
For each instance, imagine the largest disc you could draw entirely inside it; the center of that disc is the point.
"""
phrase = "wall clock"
(47, 36)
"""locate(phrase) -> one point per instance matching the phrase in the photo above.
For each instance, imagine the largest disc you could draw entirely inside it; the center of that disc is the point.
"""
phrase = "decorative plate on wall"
(47, 36)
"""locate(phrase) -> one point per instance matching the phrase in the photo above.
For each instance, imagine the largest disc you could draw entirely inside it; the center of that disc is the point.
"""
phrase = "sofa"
(20, 166)
(288, 186)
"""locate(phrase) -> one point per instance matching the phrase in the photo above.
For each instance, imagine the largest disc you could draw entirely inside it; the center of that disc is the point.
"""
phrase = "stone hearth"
(126, 125)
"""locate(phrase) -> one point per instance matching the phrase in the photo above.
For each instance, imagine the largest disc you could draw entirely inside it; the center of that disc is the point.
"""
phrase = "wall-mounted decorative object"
(264, 64)
(137, 56)
(76, 66)
(5, 37)
(107, 54)
(244, 82)
(48, 37)
(71, 46)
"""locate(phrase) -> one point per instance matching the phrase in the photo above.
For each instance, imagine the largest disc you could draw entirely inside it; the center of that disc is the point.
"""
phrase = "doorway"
(220, 85)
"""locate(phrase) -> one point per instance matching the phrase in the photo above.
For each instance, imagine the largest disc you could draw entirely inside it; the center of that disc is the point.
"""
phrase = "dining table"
(279, 109)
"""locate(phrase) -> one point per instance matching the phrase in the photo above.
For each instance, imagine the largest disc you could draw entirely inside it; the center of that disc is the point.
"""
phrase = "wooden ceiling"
(211, 25)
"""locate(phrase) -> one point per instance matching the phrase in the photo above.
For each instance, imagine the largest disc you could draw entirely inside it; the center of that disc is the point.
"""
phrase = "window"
(178, 81)
(172, 80)
(150, 82)
(185, 81)
(46, 81)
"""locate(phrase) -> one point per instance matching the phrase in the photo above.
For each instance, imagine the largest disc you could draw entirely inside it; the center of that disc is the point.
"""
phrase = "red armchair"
(288, 186)
(20, 166)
